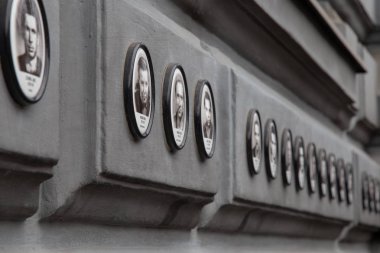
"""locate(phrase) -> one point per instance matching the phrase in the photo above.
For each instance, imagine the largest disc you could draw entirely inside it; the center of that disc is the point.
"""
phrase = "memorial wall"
(187, 126)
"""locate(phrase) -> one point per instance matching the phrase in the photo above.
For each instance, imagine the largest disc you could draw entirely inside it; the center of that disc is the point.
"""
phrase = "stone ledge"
(132, 205)
(20, 191)
(259, 220)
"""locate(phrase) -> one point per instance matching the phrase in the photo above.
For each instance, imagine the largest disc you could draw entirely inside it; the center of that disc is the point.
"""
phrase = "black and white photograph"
(271, 149)
(312, 177)
(322, 172)
(365, 191)
(27, 56)
(175, 106)
(205, 119)
(341, 180)
(139, 90)
(332, 176)
(371, 194)
(349, 183)
(287, 157)
(254, 141)
(300, 156)
(377, 196)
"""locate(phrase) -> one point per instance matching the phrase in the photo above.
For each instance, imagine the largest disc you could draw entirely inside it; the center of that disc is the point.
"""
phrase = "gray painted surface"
(251, 94)
(94, 138)
(123, 156)
(301, 28)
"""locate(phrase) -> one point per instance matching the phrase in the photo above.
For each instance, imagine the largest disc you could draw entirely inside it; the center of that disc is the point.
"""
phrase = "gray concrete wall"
(84, 209)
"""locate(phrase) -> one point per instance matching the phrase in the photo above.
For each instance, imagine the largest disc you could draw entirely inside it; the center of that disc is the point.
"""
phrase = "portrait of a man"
(207, 125)
(142, 88)
(371, 194)
(289, 160)
(273, 150)
(205, 119)
(287, 156)
(349, 184)
(301, 165)
(365, 191)
(179, 107)
(29, 61)
(377, 196)
(341, 179)
(332, 176)
(256, 142)
(322, 172)
(312, 167)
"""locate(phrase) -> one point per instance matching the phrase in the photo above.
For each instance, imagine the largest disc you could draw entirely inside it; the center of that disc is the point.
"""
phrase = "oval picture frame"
(253, 146)
(341, 180)
(206, 145)
(332, 176)
(271, 163)
(371, 193)
(176, 124)
(26, 70)
(287, 156)
(322, 173)
(365, 193)
(139, 120)
(312, 168)
(300, 163)
(377, 196)
(349, 184)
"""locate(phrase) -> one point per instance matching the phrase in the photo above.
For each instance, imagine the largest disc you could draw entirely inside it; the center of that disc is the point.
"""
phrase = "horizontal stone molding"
(257, 36)
(132, 205)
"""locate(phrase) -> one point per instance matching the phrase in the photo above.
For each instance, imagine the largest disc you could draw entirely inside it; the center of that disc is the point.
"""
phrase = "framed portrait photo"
(271, 149)
(312, 177)
(254, 141)
(365, 191)
(322, 172)
(25, 50)
(205, 119)
(332, 178)
(300, 158)
(349, 183)
(175, 105)
(377, 196)
(287, 157)
(139, 90)
(341, 180)
(371, 194)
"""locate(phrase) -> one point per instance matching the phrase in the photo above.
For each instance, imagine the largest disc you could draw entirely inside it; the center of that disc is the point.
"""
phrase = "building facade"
(271, 145)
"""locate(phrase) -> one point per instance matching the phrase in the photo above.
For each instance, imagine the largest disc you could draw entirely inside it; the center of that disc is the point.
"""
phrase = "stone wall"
(89, 186)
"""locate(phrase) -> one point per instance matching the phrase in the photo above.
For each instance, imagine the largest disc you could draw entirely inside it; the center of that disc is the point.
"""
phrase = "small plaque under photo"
(205, 119)
(25, 49)
(139, 90)
(175, 105)
(254, 141)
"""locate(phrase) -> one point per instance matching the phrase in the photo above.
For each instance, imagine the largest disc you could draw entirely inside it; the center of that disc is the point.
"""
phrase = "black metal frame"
(128, 90)
(167, 105)
(7, 63)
